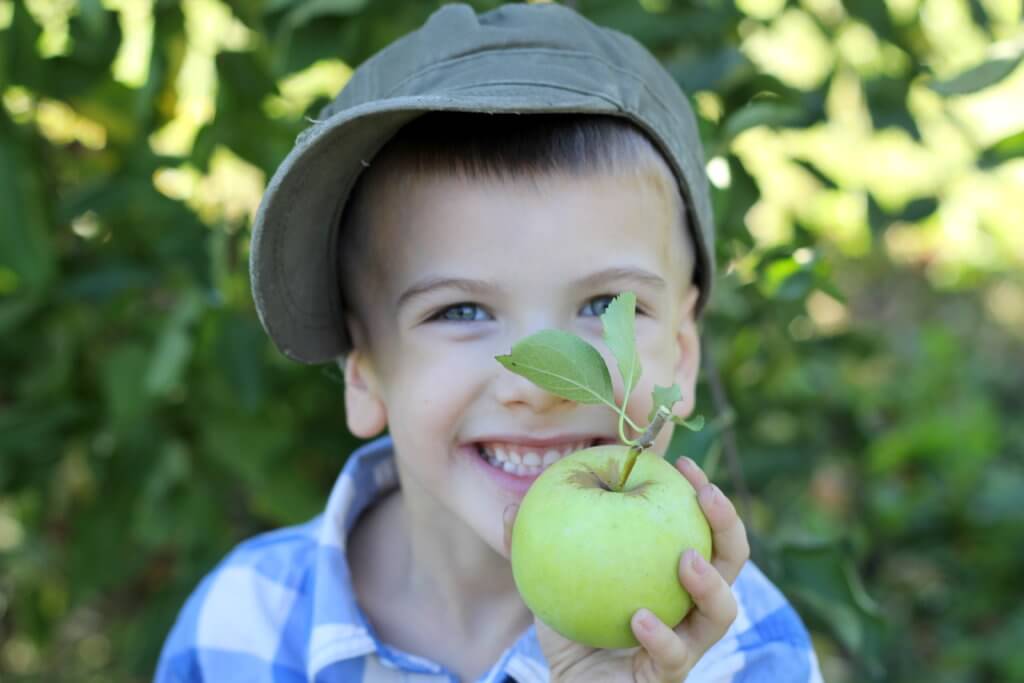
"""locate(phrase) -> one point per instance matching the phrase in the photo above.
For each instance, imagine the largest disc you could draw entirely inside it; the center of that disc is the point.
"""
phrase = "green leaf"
(619, 322)
(127, 402)
(695, 423)
(785, 279)
(27, 257)
(174, 348)
(308, 11)
(918, 209)
(980, 77)
(1010, 147)
(771, 113)
(823, 580)
(664, 396)
(563, 364)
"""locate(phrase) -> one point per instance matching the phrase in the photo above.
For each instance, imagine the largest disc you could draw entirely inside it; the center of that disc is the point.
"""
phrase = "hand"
(665, 655)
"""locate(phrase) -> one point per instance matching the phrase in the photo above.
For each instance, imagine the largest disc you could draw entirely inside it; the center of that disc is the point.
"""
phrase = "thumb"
(509, 520)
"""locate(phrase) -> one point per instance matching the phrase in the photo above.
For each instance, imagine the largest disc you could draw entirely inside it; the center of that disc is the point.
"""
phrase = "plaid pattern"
(279, 609)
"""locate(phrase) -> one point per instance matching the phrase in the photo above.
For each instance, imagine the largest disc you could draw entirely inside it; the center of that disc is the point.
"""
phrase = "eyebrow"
(484, 287)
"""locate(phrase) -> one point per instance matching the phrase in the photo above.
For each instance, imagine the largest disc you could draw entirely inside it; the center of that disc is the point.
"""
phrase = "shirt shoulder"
(250, 616)
(280, 605)
(768, 642)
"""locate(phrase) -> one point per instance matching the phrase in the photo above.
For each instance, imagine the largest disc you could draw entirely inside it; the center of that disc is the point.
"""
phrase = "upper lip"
(535, 442)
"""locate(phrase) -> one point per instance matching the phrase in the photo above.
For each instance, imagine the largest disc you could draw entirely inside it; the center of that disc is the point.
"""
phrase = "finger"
(668, 657)
(728, 534)
(714, 604)
(693, 473)
(508, 521)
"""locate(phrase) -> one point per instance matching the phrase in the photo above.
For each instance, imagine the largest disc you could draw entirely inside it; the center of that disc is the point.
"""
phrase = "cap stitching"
(535, 84)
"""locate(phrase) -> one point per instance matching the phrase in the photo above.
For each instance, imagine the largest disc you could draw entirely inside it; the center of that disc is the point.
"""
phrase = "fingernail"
(697, 563)
(645, 620)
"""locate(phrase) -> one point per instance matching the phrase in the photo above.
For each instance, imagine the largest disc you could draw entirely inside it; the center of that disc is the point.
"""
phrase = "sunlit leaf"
(563, 364)
(664, 396)
(1010, 147)
(980, 77)
(619, 324)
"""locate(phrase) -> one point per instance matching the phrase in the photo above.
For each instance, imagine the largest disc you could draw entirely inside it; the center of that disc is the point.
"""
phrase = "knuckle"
(701, 591)
(706, 587)
(730, 610)
(675, 664)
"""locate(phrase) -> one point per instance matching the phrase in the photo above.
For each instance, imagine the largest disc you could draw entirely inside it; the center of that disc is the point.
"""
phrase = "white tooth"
(531, 459)
(551, 456)
(500, 454)
(515, 457)
(509, 467)
(520, 470)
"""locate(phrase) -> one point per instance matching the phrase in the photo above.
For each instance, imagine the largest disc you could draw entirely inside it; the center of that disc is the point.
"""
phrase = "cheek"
(433, 387)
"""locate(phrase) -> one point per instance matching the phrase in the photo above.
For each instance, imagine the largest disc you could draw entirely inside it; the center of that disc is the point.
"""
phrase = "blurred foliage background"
(864, 356)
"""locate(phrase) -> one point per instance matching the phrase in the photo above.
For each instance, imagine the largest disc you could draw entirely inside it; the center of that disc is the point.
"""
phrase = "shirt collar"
(339, 628)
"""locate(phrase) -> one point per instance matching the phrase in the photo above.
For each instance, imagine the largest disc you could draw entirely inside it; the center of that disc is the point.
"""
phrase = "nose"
(514, 391)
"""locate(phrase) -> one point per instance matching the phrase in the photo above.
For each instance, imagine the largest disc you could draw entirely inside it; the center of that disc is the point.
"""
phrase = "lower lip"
(513, 483)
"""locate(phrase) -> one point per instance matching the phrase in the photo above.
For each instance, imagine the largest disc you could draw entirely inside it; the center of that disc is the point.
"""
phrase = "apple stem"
(631, 457)
(644, 442)
(653, 429)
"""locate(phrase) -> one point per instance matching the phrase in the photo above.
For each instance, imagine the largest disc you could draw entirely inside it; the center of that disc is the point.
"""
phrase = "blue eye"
(461, 312)
(468, 312)
(599, 310)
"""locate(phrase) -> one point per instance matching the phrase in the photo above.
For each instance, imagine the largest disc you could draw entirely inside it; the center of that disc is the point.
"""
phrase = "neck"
(449, 570)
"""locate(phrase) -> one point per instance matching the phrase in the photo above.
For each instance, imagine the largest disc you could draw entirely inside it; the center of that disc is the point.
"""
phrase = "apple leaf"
(563, 364)
(664, 396)
(619, 325)
(695, 423)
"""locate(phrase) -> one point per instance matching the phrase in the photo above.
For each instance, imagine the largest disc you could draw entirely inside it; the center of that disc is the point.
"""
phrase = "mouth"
(528, 462)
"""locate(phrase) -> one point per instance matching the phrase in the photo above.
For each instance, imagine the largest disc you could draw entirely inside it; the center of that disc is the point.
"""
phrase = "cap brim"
(294, 253)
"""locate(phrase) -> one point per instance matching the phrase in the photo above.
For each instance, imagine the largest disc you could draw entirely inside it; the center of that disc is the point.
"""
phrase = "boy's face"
(424, 365)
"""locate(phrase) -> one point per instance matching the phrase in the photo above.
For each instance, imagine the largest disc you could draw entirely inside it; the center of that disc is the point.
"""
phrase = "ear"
(688, 349)
(365, 409)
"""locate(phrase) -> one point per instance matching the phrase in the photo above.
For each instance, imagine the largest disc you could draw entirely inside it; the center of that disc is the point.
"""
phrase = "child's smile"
(473, 266)
(514, 463)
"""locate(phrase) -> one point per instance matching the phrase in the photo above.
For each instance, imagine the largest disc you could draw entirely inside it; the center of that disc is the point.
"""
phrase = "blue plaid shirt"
(280, 609)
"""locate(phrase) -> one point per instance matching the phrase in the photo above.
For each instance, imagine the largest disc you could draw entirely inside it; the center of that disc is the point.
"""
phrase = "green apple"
(599, 535)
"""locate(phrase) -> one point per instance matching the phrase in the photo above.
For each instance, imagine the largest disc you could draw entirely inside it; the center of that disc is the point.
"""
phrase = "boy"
(477, 181)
